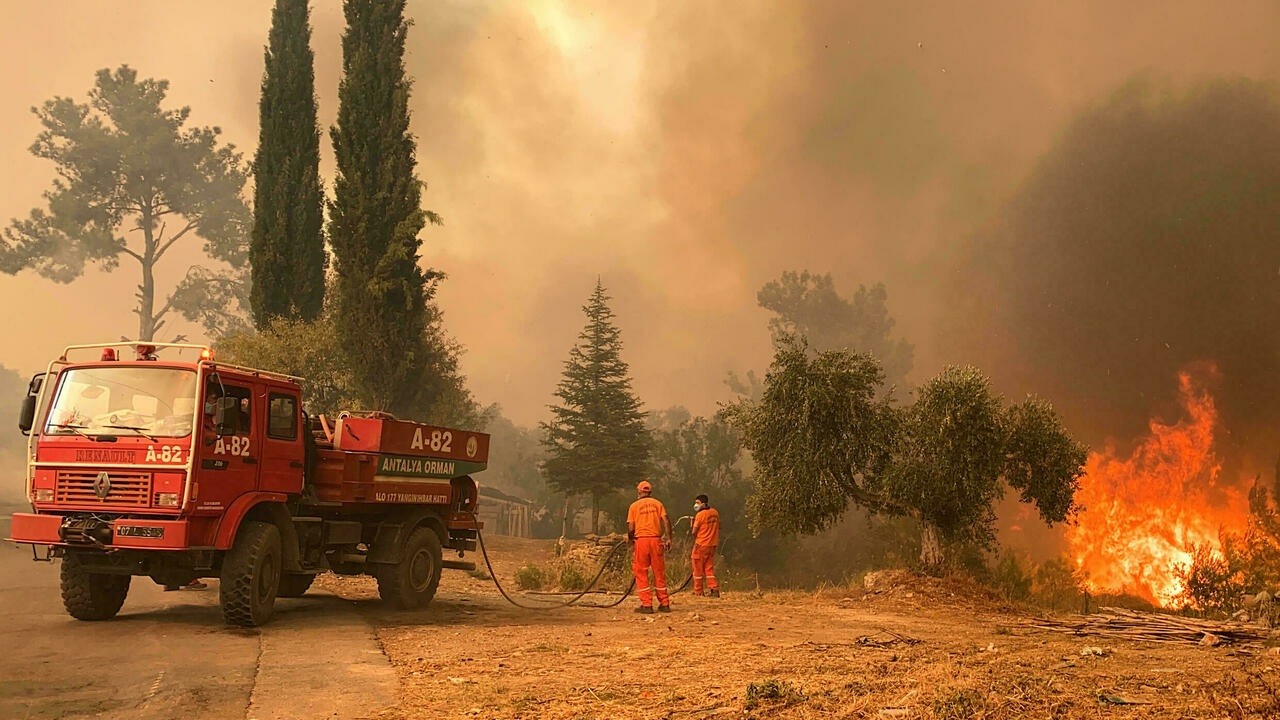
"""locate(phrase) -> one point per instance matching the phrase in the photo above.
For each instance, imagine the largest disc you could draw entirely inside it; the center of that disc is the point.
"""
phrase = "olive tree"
(821, 439)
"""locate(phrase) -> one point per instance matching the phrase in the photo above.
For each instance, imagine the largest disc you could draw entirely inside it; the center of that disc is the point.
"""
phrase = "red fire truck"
(184, 467)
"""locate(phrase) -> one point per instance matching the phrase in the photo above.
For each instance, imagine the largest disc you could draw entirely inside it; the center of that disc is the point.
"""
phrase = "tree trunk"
(930, 546)
(147, 289)
(147, 304)
(595, 514)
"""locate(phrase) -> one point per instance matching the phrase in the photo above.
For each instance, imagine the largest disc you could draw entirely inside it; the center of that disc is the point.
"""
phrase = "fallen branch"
(1154, 627)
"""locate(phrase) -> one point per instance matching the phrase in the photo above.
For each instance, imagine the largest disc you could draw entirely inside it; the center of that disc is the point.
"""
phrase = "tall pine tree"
(381, 294)
(287, 253)
(597, 442)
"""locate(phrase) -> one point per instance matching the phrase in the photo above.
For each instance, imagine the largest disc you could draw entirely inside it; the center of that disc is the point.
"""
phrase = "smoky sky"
(684, 153)
(1146, 242)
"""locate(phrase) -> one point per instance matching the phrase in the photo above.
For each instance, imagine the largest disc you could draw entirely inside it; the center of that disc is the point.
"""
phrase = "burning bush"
(1211, 583)
(1146, 511)
(1223, 581)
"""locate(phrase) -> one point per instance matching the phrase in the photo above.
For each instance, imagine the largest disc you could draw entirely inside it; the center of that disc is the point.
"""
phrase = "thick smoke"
(686, 153)
(1148, 240)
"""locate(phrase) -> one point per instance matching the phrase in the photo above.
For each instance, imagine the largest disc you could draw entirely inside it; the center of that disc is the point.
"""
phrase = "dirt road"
(169, 655)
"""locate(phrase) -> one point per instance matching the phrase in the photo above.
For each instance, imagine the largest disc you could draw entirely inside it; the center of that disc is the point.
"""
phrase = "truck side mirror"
(226, 416)
(27, 416)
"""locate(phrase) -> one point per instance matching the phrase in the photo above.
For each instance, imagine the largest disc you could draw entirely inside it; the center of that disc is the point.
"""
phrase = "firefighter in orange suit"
(706, 536)
(650, 530)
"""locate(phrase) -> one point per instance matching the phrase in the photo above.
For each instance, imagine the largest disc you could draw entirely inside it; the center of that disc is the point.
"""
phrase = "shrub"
(1055, 586)
(1010, 580)
(571, 578)
(530, 577)
(956, 704)
(774, 691)
(1220, 581)
(1214, 582)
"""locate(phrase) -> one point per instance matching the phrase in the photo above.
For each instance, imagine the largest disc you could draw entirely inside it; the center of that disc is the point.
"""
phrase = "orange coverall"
(706, 536)
(647, 516)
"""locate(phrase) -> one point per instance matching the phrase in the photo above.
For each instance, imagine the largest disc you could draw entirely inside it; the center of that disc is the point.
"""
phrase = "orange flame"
(1143, 514)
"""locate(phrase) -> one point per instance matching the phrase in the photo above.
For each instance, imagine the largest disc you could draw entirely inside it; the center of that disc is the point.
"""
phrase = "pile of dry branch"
(589, 551)
(1155, 627)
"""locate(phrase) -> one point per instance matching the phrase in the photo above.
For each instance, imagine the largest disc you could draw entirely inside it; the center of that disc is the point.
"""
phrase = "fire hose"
(579, 594)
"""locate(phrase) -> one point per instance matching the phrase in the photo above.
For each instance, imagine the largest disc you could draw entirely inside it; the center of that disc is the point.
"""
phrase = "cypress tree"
(287, 253)
(597, 442)
(381, 294)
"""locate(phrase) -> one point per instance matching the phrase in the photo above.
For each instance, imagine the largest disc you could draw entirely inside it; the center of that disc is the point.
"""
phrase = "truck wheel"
(412, 582)
(251, 575)
(294, 585)
(91, 596)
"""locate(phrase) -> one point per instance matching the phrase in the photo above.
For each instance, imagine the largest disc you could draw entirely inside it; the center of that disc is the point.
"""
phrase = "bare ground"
(913, 648)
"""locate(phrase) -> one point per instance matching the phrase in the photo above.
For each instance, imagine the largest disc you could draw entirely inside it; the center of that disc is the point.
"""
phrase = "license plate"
(139, 531)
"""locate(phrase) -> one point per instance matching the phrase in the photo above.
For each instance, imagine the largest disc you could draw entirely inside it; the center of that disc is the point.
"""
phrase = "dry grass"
(841, 652)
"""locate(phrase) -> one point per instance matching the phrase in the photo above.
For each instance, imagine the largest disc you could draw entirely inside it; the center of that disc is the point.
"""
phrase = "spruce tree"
(287, 253)
(597, 442)
(380, 292)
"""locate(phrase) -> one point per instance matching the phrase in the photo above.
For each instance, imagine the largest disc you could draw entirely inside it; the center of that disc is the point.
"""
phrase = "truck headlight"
(44, 495)
(167, 499)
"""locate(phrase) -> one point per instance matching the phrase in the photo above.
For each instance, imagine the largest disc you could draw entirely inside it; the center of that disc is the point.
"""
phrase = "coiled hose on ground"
(582, 593)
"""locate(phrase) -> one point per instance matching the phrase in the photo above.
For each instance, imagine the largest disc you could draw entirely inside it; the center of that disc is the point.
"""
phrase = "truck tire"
(412, 582)
(294, 585)
(91, 596)
(251, 575)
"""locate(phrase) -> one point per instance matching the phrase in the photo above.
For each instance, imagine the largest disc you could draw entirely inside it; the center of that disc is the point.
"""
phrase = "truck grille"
(127, 488)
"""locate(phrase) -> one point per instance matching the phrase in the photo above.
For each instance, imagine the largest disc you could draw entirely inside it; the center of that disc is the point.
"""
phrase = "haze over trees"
(134, 182)
(311, 350)
(13, 446)
(288, 252)
(694, 455)
(808, 305)
(515, 453)
(596, 442)
(824, 435)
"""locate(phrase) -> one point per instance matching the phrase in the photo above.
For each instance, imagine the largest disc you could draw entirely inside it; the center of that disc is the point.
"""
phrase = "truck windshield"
(127, 400)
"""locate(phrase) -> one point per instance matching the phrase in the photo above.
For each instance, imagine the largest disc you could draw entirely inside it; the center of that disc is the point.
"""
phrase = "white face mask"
(697, 506)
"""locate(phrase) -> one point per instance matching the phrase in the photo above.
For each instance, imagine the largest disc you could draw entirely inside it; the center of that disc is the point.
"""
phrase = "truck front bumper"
(120, 533)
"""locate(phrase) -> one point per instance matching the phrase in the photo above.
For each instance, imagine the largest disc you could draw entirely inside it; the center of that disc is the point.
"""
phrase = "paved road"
(170, 655)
